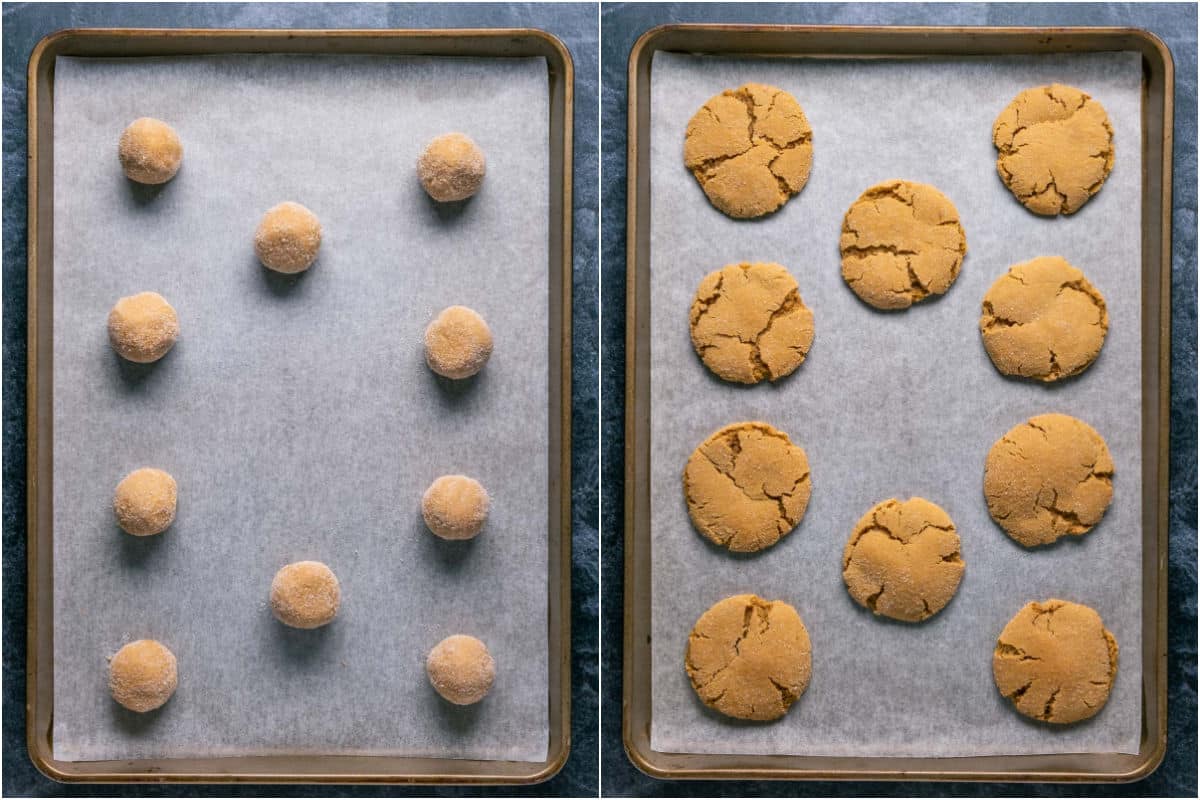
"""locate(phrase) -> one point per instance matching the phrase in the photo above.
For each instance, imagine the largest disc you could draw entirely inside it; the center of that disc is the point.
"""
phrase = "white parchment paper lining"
(897, 404)
(297, 414)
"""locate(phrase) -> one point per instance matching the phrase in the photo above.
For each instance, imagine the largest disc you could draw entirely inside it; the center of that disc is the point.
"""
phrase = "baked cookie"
(1050, 476)
(750, 148)
(1055, 661)
(750, 323)
(1056, 148)
(749, 658)
(746, 486)
(1043, 319)
(902, 560)
(901, 242)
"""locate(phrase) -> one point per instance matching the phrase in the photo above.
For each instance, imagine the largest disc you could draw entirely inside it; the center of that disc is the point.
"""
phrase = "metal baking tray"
(903, 42)
(39, 702)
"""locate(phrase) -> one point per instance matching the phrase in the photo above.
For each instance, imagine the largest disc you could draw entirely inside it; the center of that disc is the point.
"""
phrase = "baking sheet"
(898, 404)
(297, 414)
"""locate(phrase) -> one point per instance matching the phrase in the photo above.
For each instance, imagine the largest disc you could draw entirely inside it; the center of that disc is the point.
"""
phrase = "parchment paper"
(894, 404)
(297, 414)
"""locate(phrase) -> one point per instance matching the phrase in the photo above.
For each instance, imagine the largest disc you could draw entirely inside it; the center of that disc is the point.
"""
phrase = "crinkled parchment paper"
(297, 414)
(894, 404)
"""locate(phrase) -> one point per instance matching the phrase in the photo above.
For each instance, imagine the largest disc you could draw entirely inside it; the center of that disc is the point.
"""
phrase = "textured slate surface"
(621, 24)
(24, 25)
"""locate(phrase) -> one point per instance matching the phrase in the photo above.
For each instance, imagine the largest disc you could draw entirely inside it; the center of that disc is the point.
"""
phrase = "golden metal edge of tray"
(825, 41)
(483, 42)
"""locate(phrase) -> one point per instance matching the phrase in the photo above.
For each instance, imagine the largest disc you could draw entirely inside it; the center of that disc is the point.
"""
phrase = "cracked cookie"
(1055, 661)
(1049, 477)
(1043, 320)
(750, 149)
(746, 486)
(1056, 148)
(903, 560)
(749, 658)
(901, 242)
(750, 323)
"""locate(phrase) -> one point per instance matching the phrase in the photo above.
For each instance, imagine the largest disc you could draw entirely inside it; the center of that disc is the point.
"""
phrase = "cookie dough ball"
(142, 675)
(150, 151)
(305, 594)
(455, 507)
(1050, 476)
(1043, 320)
(288, 238)
(1056, 662)
(461, 669)
(901, 242)
(903, 560)
(457, 343)
(750, 323)
(1055, 148)
(145, 502)
(746, 486)
(750, 149)
(749, 658)
(451, 167)
(143, 327)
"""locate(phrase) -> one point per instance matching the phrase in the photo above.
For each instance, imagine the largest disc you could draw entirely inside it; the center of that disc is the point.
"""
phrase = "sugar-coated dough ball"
(455, 507)
(457, 343)
(142, 675)
(451, 167)
(461, 669)
(288, 238)
(305, 594)
(143, 327)
(145, 502)
(150, 151)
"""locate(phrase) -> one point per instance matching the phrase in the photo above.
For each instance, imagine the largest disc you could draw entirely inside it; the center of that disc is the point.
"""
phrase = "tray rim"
(1156, 512)
(353, 769)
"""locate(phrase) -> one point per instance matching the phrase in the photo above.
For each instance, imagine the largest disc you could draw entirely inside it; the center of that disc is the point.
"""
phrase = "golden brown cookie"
(749, 658)
(746, 486)
(1056, 148)
(150, 151)
(1043, 320)
(902, 560)
(750, 148)
(750, 323)
(1055, 661)
(305, 594)
(144, 501)
(1050, 476)
(143, 675)
(142, 328)
(901, 242)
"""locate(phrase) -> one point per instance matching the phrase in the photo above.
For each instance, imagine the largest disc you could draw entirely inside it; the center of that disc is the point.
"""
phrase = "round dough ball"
(150, 151)
(1050, 476)
(461, 669)
(451, 167)
(749, 658)
(142, 675)
(746, 486)
(145, 502)
(455, 507)
(142, 328)
(1055, 148)
(457, 343)
(1043, 320)
(750, 323)
(305, 594)
(901, 242)
(1056, 662)
(288, 238)
(750, 149)
(903, 560)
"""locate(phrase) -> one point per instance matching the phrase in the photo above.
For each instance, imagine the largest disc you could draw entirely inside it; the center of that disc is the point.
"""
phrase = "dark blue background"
(24, 25)
(621, 24)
